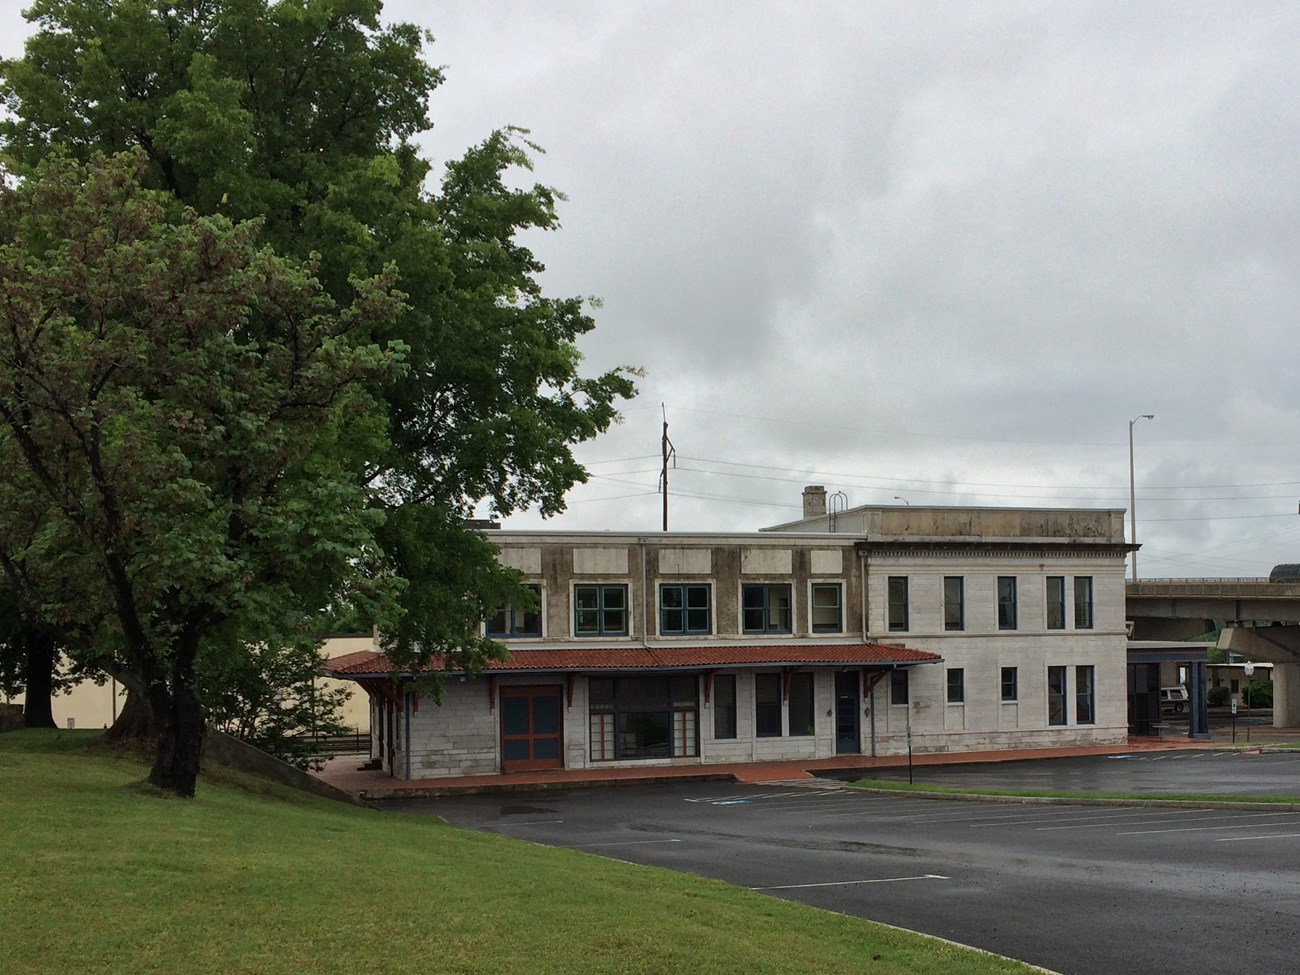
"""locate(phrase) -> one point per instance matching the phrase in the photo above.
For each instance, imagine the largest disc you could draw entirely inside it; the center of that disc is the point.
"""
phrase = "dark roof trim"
(686, 668)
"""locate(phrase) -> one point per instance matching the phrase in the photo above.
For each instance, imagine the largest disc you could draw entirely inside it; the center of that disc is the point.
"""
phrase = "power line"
(1029, 497)
(895, 479)
(913, 434)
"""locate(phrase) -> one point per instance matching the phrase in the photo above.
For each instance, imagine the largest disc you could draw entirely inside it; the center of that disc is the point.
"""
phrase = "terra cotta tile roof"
(370, 663)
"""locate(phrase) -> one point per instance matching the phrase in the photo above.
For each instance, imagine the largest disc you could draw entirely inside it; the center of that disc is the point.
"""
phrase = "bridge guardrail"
(1220, 588)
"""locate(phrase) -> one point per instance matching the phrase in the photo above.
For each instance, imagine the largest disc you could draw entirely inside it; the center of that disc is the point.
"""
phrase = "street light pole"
(1132, 493)
(1249, 670)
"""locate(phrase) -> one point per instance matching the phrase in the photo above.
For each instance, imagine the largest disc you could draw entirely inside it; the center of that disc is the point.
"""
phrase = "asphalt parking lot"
(1094, 890)
(1215, 773)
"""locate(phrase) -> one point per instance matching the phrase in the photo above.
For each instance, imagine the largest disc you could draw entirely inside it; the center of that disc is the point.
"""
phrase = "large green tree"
(179, 417)
(304, 114)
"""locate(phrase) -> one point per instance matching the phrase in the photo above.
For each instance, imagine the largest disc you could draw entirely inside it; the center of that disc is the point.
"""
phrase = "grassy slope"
(102, 876)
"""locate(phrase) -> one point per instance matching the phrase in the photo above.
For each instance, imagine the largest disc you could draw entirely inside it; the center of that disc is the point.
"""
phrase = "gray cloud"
(930, 250)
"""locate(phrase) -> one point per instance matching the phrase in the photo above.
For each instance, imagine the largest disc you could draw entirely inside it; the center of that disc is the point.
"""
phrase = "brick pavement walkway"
(344, 774)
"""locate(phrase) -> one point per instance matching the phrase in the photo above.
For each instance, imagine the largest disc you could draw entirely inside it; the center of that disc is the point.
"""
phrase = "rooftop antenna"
(839, 502)
(669, 453)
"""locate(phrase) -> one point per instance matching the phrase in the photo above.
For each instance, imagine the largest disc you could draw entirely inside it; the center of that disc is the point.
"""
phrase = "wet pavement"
(1086, 889)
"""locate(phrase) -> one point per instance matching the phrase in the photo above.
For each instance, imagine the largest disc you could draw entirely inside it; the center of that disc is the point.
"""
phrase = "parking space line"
(854, 883)
(882, 816)
(1163, 818)
(1207, 829)
(1097, 814)
(1265, 836)
(971, 816)
(827, 806)
(586, 846)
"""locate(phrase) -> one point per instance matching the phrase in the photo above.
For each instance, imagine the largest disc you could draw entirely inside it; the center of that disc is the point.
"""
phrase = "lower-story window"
(1085, 706)
(801, 704)
(898, 687)
(1010, 690)
(724, 706)
(767, 705)
(643, 717)
(1056, 714)
(956, 685)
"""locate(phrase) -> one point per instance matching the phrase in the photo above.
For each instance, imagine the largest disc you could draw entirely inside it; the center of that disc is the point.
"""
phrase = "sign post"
(1248, 669)
(909, 742)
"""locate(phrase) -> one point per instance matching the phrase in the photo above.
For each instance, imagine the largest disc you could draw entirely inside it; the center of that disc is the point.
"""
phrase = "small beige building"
(91, 705)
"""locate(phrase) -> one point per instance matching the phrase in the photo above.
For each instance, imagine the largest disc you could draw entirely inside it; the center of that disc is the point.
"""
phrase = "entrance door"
(1143, 698)
(848, 733)
(530, 728)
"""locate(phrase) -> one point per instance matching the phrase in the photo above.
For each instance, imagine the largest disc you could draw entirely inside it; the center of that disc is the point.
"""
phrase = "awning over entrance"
(1144, 707)
(672, 657)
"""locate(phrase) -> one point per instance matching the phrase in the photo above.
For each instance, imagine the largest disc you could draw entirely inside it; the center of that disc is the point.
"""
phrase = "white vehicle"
(1173, 698)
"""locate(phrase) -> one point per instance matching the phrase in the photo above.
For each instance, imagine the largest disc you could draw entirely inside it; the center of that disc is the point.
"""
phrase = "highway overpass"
(1262, 620)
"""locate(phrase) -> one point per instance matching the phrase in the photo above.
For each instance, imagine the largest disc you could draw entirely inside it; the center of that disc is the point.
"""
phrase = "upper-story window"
(685, 609)
(897, 603)
(766, 608)
(827, 607)
(1056, 602)
(1007, 603)
(1083, 602)
(515, 622)
(954, 603)
(600, 610)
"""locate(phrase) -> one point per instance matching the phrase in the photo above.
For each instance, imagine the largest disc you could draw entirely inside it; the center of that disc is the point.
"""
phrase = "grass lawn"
(102, 876)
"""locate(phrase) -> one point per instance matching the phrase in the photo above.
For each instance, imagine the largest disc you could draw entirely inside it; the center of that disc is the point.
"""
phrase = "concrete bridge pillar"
(1280, 645)
(1286, 695)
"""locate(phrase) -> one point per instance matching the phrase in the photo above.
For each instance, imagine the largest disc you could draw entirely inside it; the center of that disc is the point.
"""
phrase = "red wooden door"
(531, 728)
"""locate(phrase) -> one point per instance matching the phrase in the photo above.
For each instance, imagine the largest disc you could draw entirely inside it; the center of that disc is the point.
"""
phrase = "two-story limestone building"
(969, 628)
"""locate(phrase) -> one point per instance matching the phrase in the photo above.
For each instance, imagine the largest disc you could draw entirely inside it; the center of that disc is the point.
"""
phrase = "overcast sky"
(934, 252)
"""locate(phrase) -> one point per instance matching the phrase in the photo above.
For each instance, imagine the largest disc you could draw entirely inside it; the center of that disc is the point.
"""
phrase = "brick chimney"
(814, 501)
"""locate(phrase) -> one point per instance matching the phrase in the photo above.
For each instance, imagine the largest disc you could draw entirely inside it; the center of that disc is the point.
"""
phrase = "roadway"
(1094, 890)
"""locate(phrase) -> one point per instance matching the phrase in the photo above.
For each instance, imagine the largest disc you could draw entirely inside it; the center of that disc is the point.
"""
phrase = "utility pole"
(669, 452)
(1132, 493)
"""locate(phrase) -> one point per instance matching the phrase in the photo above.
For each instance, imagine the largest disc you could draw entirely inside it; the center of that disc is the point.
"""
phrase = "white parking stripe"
(587, 846)
(853, 883)
(1097, 814)
(1163, 818)
(1265, 836)
(972, 816)
(1206, 829)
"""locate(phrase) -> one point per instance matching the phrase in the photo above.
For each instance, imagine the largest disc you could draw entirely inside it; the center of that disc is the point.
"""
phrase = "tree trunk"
(42, 655)
(180, 739)
(134, 721)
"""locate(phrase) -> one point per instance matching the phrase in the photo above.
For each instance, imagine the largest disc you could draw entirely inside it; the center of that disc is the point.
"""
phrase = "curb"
(1086, 800)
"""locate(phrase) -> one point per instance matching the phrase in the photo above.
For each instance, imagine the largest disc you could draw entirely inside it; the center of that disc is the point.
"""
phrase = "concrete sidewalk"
(344, 774)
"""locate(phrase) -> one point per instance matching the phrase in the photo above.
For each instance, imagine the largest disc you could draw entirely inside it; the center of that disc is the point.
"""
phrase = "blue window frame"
(827, 611)
(1083, 602)
(600, 610)
(897, 604)
(954, 603)
(685, 609)
(1056, 602)
(1007, 603)
(766, 608)
(514, 622)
